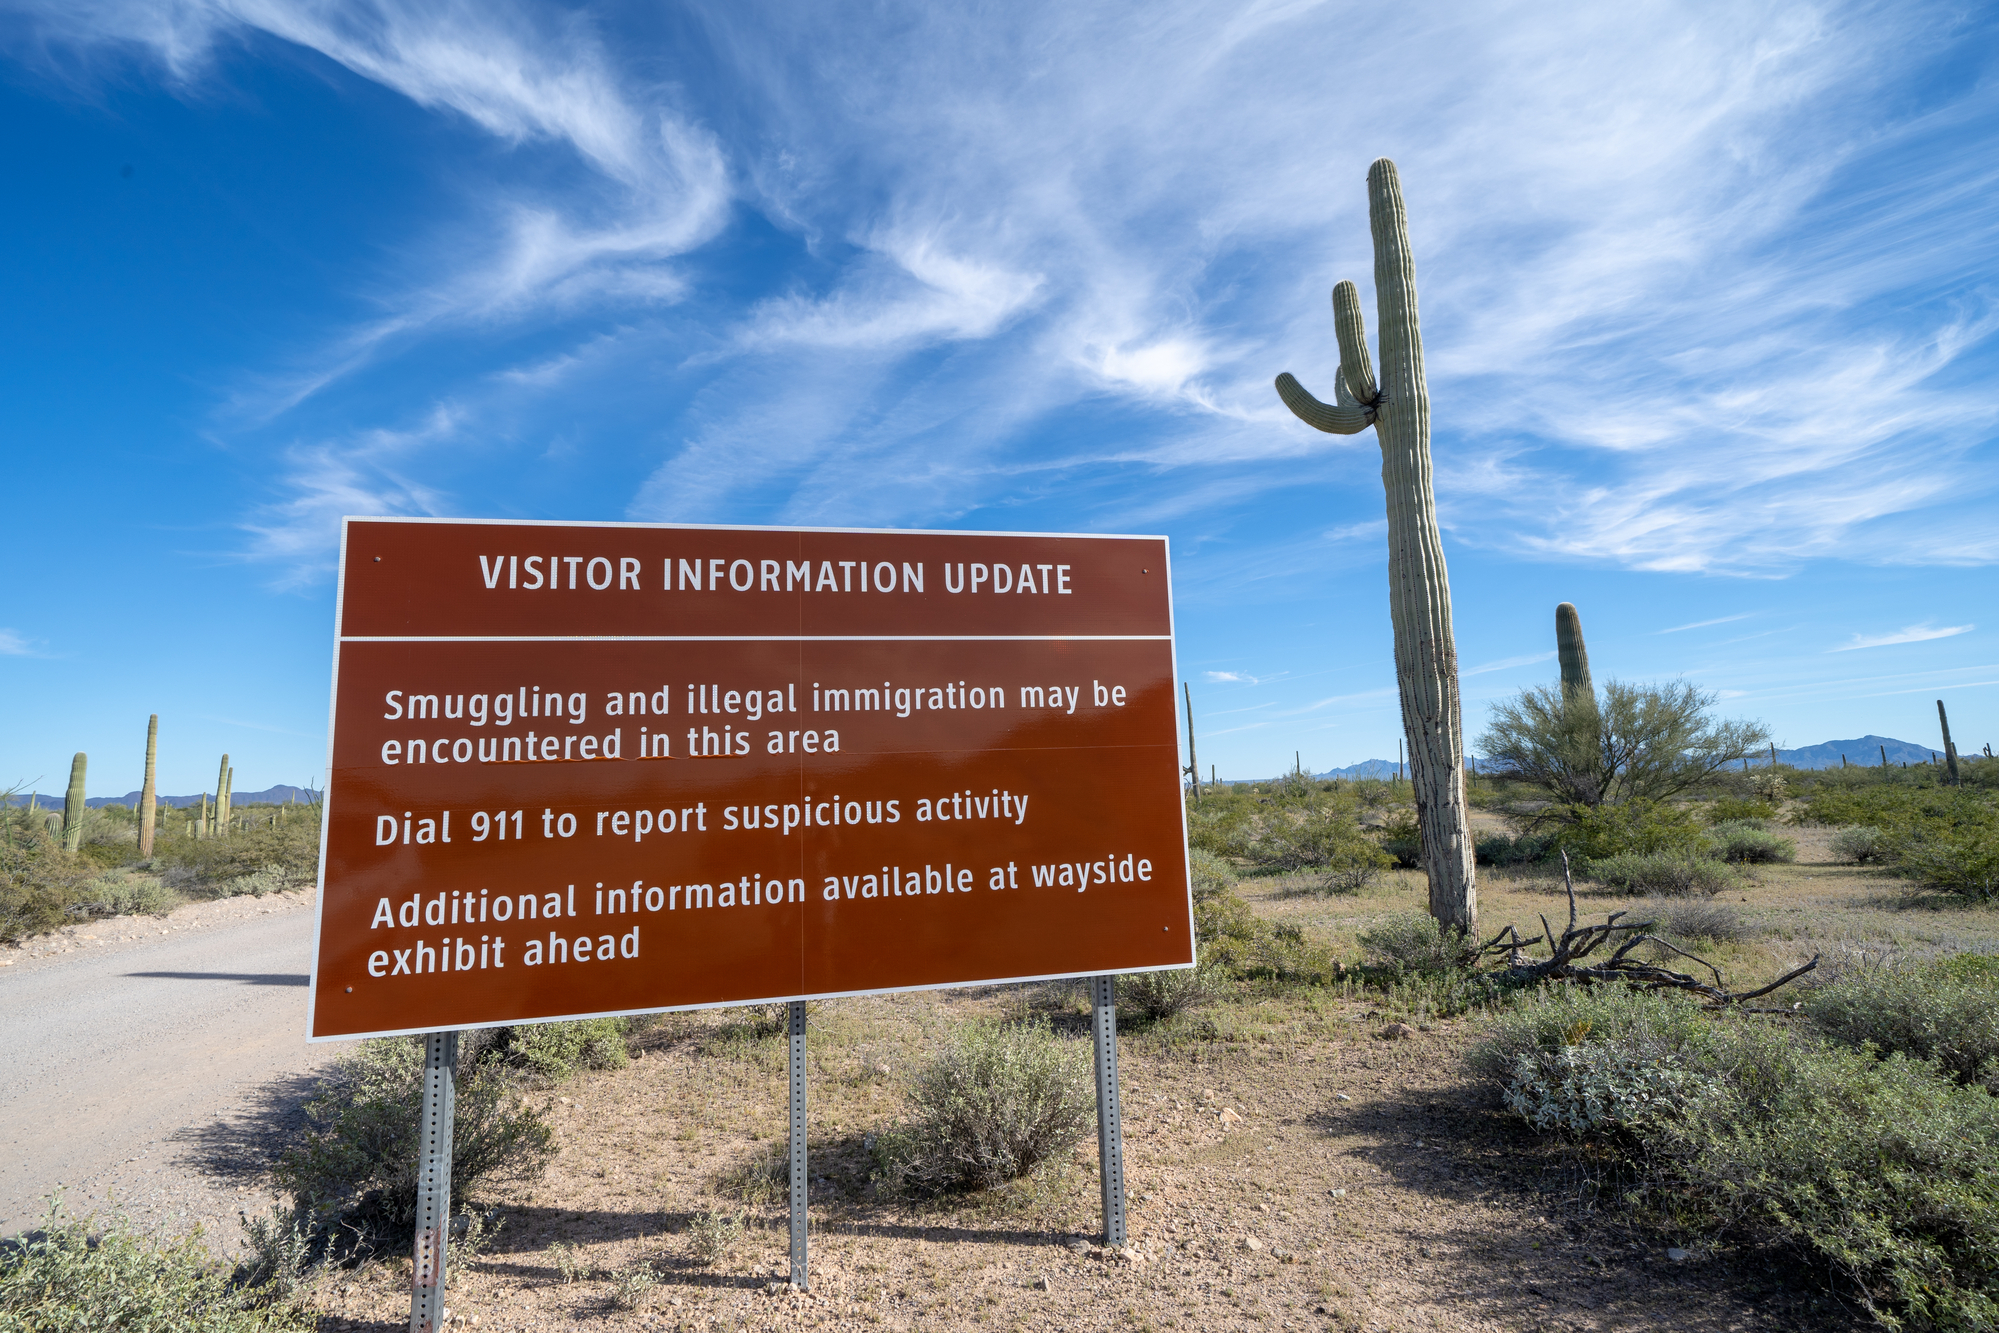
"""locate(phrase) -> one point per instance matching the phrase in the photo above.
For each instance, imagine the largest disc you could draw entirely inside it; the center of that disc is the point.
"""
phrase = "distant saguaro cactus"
(1570, 648)
(1419, 587)
(148, 801)
(221, 799)
(228, 800)
(202, 827)
(1949, 750)
(72, 804)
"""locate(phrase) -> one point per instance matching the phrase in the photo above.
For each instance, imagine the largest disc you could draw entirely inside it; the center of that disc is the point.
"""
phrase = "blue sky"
(1708, 296)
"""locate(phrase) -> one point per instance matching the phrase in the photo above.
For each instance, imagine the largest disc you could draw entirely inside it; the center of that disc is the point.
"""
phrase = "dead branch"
(1576, 943)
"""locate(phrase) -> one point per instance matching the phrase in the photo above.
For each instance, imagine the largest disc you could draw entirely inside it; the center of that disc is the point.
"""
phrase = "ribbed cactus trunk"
(1419, 589)
(148, 800)
(228, 798)
(202, 826)
(72, 804)
(1949, 750)
(221, 798)
(1570, 648)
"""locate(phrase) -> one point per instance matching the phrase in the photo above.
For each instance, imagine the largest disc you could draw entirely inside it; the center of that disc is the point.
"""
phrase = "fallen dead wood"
(1578, 942)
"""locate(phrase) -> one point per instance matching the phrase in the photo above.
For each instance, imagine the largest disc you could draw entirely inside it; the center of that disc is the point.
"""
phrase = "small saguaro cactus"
(1419, 587)
(72, 804)
(148, 801)
(221, 799)
(1574, 654)
(1949, 750)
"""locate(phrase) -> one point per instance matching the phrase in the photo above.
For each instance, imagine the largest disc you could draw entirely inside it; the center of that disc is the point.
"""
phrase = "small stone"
(1341, 1097)
(1078, 1245)
(1339, 1194)
(1251, 1243)
(1397, 1031)
(1320, 1309)
(1043, 1284)
(1210, 1095)
(1229, 1117)
(1676, 1254)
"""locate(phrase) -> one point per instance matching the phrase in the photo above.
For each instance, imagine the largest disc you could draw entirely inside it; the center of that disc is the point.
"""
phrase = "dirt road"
(148, 1057)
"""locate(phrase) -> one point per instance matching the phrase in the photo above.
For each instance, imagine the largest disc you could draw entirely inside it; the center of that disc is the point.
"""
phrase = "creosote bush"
(557, 1051)
(1694, 920)
(42, 886)
(1415, 942)
(357, 1159)
(1157, 996)
(1945, 1011)
(1860, 845)
(1741, 842)
(1883, 1170)
(998, 1101)
(1666, 875)
(70, 1274)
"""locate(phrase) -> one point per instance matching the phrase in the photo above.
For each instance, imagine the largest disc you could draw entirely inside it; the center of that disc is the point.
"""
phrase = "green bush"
(558, 1051)
(122, 893)
(1209, 875)
(1415, 942)
(68, 1277)
(1947, 1012)
(1001, 1099)
(1498, 849)
(42, 886)
(1860, 844)
(1638, 828)
(1157, 996)
(271, 858)
(1962, 861)
(1730, 809)
(1668, 875)
(357, 1159)
(1882, 1169)
(1746, 843)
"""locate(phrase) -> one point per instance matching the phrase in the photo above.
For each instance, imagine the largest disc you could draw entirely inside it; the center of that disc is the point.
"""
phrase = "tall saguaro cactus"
(1570, 648)
(1419, 588)
(148, 800)
(221, 798)
(72, 804)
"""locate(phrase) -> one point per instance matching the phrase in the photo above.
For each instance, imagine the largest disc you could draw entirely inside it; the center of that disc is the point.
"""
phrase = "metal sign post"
(798, 1144)
(433, 1181)
(1110, 1121)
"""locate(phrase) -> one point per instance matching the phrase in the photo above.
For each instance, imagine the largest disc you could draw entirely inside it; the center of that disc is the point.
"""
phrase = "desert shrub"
(121, 893)
(42, 886)
(1313, 836)
(1638, 828)
(1881, 1169)
(1666, 875)
(711, 1236)
(1415, 942)
(1498, 849)
(1222, 824)
(1901, 809)
(557, 1051)
(1945, 1011)
(1745, 843)
(280, 857)
(70, 1277)
(998, 1101)
(1734, 809)
(1209, 874)
(1157, 996)
(1689, 920)
(1860, 844)
(764, 1179)
(1962, 861)
(1402, 839)
(358, 1156)
(1226, 917)
(632, 1287)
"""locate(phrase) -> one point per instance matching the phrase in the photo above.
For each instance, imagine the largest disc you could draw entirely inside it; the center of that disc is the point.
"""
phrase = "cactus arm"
(1340, 419)
(1356, 371)
(1572, 651)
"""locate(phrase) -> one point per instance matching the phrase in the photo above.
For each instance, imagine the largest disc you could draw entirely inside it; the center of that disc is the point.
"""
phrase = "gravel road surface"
(151, 1063)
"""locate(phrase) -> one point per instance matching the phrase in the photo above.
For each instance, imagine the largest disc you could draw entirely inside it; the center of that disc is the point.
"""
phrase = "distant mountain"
(277, 795)
(1366, 768)
(1863, 750)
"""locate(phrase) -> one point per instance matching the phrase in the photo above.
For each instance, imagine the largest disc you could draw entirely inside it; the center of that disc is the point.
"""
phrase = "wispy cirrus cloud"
(1908, 634)
(15, 644)
(1703, 624)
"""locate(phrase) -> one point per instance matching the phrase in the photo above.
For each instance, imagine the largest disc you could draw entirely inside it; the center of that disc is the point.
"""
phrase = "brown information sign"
(585, 769)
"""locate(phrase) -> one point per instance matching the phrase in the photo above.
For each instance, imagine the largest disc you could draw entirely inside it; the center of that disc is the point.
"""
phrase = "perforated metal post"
(433, 1181)
(798, 1144)
(1110, 1118)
